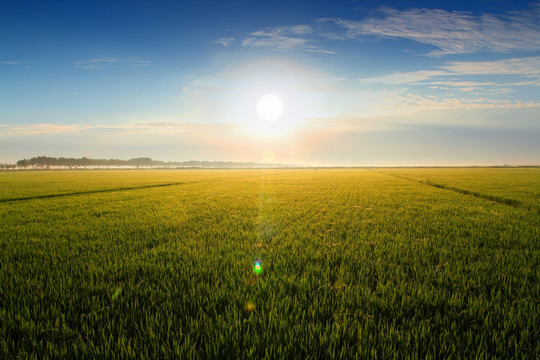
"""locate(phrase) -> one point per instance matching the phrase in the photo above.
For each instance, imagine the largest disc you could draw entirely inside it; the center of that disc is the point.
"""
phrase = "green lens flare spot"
(257, 266)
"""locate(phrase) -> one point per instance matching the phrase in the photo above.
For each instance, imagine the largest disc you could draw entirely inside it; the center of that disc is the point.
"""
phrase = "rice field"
(356, 263)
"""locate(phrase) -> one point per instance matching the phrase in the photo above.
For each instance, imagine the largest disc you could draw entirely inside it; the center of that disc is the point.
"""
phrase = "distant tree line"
(7, 166)
(44, 162)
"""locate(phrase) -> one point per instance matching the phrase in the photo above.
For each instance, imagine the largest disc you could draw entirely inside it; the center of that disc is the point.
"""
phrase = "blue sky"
(362, 82)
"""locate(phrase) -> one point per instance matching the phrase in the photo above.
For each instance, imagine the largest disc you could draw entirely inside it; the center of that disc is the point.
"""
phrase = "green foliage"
(357, 264)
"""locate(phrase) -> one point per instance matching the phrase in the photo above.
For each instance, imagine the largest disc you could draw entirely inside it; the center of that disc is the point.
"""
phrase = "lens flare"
(250, 306)
(257, 266)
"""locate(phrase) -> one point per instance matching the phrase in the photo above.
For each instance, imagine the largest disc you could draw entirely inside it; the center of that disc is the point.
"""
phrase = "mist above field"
(373, 84)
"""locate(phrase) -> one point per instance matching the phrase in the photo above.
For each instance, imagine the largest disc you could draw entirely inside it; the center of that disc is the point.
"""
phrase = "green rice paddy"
(356, 263)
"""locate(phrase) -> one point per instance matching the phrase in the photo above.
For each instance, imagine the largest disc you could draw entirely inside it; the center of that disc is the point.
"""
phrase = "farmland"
(357, 263)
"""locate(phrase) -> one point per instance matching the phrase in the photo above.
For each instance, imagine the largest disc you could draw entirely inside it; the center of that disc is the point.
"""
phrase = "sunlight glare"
(269, 107)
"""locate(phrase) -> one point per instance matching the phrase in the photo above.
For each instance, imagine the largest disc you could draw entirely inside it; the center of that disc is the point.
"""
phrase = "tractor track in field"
(125, 188)
(88, 192)
(497, 199)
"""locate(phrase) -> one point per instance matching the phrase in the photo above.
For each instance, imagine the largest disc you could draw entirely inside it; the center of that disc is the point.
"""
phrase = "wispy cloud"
(24, 63)
(104, 62)
(462, 83)
(279, 38)
(26, 129)
(414, 103)
(526, 68)
(452, 32)
(95, 64)
(268, 39)
(403, 77)
(162, 126)
(405, 106)
(141, 63)
(225, 41)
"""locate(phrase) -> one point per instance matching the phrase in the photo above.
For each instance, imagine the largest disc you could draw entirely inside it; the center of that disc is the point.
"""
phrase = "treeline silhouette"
(46, 161)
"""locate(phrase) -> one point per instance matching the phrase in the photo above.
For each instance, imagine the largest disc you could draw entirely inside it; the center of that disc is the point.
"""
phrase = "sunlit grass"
(355, 263)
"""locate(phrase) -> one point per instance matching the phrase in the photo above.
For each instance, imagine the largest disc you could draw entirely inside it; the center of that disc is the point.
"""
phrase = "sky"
(361, 82)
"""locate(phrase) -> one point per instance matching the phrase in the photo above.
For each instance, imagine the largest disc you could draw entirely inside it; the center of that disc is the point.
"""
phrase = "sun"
(269, 107)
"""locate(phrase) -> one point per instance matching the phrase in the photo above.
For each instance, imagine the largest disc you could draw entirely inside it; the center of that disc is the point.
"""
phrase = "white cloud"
(95, 64)
(406, 104)
(450, 32)
(463, 86)
(28, 64)
(526, 67)
(25, 129)
(296, 30)
(103, 60)
(225, 41)
(275, 41)
(280, 38)
(403, 77)
(102, 63)
(462, 83)
(289, 30)
(164, 126)
(454, 32)
(320, 51)
(141, 63)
